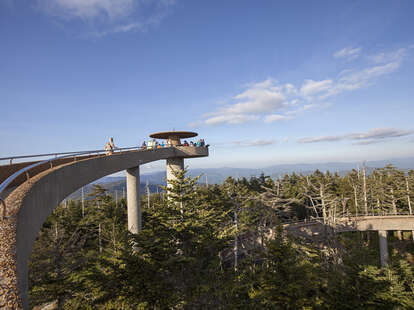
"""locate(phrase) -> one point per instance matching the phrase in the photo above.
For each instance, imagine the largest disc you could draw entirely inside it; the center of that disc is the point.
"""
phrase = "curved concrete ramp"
(31, 203)
(316, 231)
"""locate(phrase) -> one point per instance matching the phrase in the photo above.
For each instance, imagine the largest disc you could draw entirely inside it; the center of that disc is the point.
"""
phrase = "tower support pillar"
(383, 247)
(173, 165)
(133, 200)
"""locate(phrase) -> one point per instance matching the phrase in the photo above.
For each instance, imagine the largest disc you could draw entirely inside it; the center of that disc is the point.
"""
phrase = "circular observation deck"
(174, 136)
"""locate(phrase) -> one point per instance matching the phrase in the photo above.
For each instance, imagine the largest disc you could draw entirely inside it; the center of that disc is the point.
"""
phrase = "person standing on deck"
(110, 146)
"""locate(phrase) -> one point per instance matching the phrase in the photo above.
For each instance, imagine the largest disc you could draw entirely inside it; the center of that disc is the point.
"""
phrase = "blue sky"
(264, 82)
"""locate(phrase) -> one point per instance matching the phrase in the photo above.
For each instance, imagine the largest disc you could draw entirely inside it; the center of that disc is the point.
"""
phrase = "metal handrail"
(11, 158)
(11, 178)
(62, 153)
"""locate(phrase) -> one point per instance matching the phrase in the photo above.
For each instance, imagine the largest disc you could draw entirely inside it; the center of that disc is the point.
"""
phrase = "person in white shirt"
(110, 146)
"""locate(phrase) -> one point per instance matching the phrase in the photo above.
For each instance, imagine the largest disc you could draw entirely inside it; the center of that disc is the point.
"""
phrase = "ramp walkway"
(32, 190)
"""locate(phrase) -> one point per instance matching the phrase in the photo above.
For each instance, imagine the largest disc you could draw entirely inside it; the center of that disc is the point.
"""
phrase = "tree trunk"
(343, 201)
(322, 194)
(356, 200)
(99, 232)
(395, 211)
(113, 235)
(278, 188)
(58, 267)
(364, 179)
(83, 203)
(236, 237)
(409, 203)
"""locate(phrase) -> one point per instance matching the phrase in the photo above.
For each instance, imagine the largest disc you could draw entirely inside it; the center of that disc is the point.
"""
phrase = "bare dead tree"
(318, 193)
(409, 201)
(364, 187)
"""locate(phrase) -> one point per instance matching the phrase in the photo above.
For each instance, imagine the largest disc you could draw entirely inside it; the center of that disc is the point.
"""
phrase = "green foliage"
(223, 247)
(286, 279)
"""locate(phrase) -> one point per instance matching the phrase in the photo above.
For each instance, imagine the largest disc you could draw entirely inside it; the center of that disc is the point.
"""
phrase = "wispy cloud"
(88, 9)
(310, 87)
(256, 99)
(102, 17)
(320, 139)
(372, 136)
(348, 53)
(271, 118)
(230, 119)
(381, 133)
(353, 79)
(270, 101)
(249, 143)
(368, 142)
(386, 57)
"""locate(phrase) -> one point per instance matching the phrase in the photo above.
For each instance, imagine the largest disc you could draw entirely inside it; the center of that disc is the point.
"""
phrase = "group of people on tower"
(153, 144)
(199, 143)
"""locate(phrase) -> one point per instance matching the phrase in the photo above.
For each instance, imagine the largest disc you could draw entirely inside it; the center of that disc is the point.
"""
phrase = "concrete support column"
(383, 247)
(173, 164)
(133, 200)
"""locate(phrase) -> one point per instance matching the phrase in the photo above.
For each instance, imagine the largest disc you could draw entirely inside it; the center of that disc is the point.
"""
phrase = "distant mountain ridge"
(218, 175)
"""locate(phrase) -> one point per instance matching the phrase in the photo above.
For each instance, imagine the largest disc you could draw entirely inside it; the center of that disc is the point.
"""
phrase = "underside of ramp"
(32, 201)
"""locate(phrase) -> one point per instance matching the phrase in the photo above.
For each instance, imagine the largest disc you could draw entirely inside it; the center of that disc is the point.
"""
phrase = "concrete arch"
(33, 201)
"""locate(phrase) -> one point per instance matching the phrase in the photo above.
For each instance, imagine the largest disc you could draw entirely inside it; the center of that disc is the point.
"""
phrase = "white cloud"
(102, 17)
(306, 107)
(348, 53)
(320, 139)
(253, 143)
(367, 142)
(380, 133)
(392, 56)
(88, 9)
(290, 89)
(369, 137)
(264, 96)
(271, 102)
(259, 98)
(257, 101)
(348, 80)
(362, 78)
(310, 87)
(275, 118)
(230, 119)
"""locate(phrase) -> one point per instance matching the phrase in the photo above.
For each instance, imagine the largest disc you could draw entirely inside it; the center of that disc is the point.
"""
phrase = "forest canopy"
(224, 247)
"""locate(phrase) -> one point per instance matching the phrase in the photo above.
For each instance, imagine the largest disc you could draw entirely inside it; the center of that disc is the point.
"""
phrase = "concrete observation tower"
(173, 138)
(175, 153)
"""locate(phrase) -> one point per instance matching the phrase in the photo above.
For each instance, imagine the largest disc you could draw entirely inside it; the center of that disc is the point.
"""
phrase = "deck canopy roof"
(173, 135)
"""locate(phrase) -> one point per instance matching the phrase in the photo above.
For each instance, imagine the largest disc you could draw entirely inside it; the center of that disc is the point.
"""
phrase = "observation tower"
(31, 190)
(173, 139)
(174, 153)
